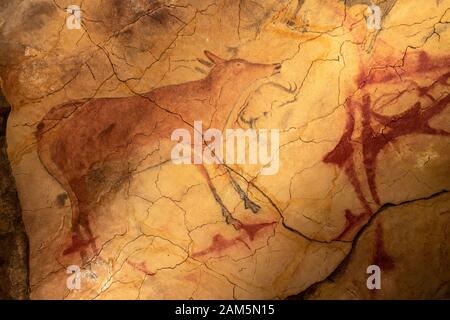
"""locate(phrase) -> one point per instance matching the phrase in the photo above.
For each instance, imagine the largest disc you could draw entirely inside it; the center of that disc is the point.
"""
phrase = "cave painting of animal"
(91, 147)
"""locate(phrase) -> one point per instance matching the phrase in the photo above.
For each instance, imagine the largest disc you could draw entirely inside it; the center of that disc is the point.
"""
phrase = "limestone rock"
(418, 272)
(361, 112)
(13, 240)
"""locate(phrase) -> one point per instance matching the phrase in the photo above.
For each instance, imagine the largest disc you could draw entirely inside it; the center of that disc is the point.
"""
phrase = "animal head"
(239, 72)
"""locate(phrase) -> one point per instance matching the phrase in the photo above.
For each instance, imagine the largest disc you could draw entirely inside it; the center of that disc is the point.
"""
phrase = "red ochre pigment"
(220, 243)
(415, 120)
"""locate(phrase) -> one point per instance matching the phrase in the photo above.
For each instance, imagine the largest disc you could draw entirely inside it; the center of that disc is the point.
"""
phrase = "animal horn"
(213, 58)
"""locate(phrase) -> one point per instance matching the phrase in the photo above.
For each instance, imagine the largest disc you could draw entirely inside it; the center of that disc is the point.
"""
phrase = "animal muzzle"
(276, 68)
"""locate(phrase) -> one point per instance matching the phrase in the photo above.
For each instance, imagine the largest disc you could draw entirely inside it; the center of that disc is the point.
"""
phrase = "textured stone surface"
(418, 272)
(13, 240)
(363, 118)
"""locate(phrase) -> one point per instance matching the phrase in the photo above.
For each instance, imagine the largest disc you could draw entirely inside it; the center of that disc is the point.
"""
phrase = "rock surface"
(363, 121)
(420, 272)
(13, 240)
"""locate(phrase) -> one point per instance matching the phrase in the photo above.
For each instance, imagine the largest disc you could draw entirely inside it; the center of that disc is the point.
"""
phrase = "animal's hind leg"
(75, 228)
(76, 192)
(82, 236)
(85, 223)
(225, 212)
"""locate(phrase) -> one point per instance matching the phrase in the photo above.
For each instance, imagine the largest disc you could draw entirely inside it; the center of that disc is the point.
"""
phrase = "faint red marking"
(141, 267)
(253, 229)
(413, 64)
(413, 121)
(220, 243)
(380, 257)
(351, 221)
(342, 154)
(78, 245)
(193, 277)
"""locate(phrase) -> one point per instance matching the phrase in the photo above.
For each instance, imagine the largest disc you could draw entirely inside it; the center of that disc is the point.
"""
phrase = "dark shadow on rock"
(14, 279)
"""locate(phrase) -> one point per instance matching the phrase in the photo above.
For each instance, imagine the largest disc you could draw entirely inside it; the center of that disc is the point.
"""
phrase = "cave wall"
(13, 239)
(364, 162)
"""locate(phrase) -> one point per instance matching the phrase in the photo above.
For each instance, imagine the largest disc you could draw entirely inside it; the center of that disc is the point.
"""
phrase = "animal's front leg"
(225, 212)
(248, 204)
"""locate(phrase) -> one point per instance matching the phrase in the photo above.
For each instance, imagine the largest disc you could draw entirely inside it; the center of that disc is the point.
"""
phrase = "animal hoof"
(251, 205)
(234, 222)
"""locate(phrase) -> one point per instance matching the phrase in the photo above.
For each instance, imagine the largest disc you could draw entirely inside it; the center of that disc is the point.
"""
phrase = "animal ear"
(213, 58)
